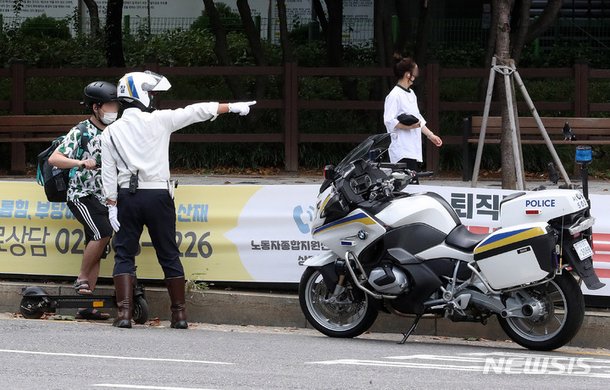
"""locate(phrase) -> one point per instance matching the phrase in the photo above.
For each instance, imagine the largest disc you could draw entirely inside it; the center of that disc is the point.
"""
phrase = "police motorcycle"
(409, 254)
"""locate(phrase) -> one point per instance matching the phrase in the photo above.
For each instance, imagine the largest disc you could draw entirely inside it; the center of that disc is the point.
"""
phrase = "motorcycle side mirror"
(329, 172)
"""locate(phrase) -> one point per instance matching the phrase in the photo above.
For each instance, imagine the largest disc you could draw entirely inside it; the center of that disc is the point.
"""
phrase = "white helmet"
(134, 88)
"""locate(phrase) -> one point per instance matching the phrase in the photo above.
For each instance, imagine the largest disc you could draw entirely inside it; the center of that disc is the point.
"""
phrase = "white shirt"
(143, 141)
(405, 143)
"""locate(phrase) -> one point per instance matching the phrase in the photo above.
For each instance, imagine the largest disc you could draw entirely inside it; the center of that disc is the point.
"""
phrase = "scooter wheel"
(31, 307)
(140, 310)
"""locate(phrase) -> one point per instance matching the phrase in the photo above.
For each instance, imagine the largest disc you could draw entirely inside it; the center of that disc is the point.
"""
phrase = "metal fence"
(291, 104)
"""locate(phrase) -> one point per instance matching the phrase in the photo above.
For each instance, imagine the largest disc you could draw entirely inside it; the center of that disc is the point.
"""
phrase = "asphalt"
(264, 308)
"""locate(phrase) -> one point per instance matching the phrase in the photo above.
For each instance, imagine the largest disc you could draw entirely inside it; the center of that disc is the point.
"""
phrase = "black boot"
(175, 288)
(123, 286)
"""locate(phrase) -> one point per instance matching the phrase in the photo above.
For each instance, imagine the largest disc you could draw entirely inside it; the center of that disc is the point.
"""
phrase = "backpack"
(55, 180)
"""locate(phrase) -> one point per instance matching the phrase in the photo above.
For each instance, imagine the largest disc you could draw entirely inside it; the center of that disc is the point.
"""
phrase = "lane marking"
(122, 386)
(78, 355)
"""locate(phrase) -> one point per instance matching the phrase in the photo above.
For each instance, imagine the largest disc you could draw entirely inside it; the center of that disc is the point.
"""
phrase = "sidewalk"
(601, 187)
(596, 186)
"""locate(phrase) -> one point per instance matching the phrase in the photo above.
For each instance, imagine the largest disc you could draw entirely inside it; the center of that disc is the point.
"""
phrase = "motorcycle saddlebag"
(516, 255)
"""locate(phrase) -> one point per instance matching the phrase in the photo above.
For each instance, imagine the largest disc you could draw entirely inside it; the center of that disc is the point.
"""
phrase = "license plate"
(583, 249)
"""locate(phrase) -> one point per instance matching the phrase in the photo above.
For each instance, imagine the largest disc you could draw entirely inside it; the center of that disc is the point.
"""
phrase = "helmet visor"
(162, 84)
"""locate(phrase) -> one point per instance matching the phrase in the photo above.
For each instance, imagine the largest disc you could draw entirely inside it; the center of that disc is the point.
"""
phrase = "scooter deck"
(79, 301)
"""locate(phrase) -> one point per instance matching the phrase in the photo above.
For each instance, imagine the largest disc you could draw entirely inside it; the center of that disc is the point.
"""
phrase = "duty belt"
(169, 185)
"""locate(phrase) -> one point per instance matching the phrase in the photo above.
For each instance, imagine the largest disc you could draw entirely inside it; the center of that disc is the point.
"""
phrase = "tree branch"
(94, 17)
(520, 32)
(221, 46)
(548, 17)
(319, 10)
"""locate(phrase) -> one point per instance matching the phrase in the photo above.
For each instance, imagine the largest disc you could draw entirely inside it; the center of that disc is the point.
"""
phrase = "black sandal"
(82, 287)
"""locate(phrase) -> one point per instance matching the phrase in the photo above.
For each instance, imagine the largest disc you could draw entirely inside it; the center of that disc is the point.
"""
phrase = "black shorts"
(94, 217)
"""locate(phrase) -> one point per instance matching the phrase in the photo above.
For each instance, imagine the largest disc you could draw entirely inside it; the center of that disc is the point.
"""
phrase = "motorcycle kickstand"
(411, 329)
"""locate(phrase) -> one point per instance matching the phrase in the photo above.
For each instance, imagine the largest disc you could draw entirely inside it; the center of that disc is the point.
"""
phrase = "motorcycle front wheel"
(348, 315)
(564, 311)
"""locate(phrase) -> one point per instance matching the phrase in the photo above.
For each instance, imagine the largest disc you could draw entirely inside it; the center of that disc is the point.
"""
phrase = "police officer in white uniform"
(137, 186)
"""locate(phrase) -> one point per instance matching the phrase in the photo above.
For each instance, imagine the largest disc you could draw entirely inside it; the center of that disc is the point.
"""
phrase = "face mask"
(109, 117)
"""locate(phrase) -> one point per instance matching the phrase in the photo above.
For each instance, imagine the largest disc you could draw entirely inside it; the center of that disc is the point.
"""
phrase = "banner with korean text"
(241, 233)
(225, 233)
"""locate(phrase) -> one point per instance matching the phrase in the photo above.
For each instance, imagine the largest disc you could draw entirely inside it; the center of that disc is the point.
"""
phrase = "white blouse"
(405, 143)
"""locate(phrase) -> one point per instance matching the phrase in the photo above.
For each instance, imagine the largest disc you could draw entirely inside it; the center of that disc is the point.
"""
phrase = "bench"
(21, 129)
(587, 131)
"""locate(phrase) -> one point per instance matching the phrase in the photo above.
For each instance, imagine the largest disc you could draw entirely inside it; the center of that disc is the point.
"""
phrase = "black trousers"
(154, 209)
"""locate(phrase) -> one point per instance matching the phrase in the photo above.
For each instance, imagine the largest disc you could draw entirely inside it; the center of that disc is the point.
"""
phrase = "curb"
(283, 310)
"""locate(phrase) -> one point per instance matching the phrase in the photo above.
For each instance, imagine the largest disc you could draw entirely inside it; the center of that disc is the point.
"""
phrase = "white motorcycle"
(409, 254)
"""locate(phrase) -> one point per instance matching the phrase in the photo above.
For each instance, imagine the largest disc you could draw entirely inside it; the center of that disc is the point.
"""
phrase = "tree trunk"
(221, 47)
(284, 40)
(254, 38)
(525, 32)
(114, 34)
(94, 17)
(548, 17)
(530, 31)
(423, 31)
(319, 10)
(493, 34)
(503, 8)
(404, 26)
(252, 33)
(383, 43)
(520, 27)
(334, 46)
(334, 42)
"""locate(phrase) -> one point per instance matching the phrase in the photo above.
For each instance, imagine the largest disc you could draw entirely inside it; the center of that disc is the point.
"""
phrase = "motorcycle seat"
(461, 238)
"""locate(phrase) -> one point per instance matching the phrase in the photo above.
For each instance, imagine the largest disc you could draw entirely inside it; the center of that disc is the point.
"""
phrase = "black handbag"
(407, 119)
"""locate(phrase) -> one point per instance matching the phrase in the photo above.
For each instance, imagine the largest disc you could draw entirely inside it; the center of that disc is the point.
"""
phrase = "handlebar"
(424, 174)
(384, 185)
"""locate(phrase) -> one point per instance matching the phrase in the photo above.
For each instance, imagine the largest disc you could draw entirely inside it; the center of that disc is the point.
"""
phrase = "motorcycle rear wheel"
(565, 307)
(350, 316)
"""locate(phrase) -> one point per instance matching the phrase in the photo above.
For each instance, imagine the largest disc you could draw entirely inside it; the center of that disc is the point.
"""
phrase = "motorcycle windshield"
(377, 141)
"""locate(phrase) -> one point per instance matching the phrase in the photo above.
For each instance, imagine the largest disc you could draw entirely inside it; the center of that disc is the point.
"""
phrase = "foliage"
(42, 27)
(230, 20)
(564, 54)
(465, 56)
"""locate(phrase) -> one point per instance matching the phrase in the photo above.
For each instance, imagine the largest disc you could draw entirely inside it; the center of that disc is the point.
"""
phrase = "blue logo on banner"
(303, 218)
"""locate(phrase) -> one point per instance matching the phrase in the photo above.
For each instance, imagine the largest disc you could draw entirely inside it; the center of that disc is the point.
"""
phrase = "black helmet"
(99, 92)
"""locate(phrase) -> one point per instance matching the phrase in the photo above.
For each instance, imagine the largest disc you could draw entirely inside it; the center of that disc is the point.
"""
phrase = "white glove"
(241, 108)
(114, 218)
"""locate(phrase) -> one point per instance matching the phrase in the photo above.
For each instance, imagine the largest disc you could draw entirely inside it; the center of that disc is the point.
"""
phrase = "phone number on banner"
(33, 241)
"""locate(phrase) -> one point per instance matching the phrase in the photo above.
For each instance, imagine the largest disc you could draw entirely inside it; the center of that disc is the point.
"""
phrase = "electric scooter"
(36, 302)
